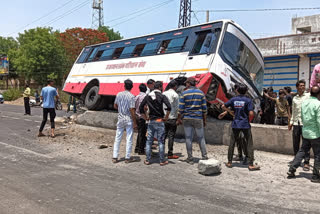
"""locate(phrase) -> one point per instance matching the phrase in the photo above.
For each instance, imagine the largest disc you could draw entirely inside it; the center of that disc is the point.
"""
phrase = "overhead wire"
(195, 16)
(260, 9)
(42, 17)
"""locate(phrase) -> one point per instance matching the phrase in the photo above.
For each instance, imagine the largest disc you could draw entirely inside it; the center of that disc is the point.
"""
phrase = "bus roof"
(222, 20)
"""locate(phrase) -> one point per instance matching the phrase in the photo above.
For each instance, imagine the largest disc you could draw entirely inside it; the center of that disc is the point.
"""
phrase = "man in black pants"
(26, 98)
(310, 114)
(243, 113)
(142, 125)
(47, 95)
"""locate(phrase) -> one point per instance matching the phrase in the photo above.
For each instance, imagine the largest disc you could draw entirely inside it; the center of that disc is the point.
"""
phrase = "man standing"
(171, 123)
(243, 114)
(310, 113)
(296, 121)
(124, 103)
(48, 94)
(150, 85)
(155, 100)
(283, 108)
(142, 126)
(267, 108)
(288, 90)
(26, 98)
(193, 111)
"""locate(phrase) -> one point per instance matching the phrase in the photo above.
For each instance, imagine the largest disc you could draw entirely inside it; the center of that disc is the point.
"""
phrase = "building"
(289, 58)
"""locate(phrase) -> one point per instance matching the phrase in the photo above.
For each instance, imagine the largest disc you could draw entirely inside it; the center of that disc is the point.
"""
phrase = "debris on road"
(209, 167)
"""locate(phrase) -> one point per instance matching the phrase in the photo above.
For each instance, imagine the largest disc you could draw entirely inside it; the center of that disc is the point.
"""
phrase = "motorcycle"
(34, 103)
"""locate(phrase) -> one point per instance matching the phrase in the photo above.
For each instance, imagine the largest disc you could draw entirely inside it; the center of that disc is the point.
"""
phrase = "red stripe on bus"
(74, 88)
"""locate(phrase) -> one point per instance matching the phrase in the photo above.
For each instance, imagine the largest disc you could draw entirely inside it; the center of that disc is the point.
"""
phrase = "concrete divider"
(269, 138)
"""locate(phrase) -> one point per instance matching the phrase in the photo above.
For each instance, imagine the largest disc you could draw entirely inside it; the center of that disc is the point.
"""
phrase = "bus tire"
(92, 99)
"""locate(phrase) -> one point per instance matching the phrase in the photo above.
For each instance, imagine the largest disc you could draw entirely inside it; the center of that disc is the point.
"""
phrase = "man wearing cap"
(193, 111)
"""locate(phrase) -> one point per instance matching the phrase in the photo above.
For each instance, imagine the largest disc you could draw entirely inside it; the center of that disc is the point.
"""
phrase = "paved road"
(35, 180)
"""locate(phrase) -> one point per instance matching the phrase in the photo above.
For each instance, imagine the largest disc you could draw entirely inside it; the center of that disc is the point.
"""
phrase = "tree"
(6, 44)
(40, 56)
(75, 39)
(110, 33)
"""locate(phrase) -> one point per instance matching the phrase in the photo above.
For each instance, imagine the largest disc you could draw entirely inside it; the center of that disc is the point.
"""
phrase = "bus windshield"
(235, 50)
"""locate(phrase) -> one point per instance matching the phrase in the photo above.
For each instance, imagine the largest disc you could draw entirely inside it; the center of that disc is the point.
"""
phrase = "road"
(36, 178)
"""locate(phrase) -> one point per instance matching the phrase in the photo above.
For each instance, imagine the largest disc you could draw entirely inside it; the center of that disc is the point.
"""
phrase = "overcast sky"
(145, 18)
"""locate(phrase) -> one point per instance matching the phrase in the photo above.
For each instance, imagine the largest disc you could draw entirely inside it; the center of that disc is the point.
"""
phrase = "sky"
(139, 17)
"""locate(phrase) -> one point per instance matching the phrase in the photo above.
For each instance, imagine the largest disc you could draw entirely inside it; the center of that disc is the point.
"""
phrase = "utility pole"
(97, 14)
(207, 17)
(185, 13)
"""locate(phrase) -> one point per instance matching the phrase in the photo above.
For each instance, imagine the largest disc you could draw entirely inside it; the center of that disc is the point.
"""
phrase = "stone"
(209, 167)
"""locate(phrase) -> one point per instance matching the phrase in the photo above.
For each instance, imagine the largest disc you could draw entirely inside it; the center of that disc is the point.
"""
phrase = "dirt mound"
(19, 102)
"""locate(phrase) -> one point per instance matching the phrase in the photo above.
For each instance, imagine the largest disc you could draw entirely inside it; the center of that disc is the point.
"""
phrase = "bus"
(217, 54)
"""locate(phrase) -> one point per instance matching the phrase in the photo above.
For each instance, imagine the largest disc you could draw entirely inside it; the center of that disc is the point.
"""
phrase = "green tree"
(111, 34)
(6, 44)
(40, 55)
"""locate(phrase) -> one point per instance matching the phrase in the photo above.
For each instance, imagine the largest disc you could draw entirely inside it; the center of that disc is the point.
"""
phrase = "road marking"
(25, 150)
(37, 121)
(15, 118)
(27, 120)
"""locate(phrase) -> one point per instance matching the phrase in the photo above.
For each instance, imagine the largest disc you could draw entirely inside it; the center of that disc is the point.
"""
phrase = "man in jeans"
(243, 110)
(171, 123)
(193, 111)
(124, 102)
(155, 100)
(47, 95)
(142, 126)
(296, 121)
(310, 113)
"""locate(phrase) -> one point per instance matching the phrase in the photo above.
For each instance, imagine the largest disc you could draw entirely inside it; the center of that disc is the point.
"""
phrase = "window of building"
(150, 49)
(117, 53)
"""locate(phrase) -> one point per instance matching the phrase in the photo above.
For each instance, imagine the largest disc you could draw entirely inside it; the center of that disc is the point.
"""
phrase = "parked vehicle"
(1, 99)
(218, 54)
(34, 103)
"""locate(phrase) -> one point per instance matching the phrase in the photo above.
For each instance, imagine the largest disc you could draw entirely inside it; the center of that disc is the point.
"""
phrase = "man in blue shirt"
(243, 110)
(193, 110)
(48, 94)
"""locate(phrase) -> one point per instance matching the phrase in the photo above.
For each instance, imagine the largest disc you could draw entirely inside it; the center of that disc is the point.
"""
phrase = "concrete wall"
(265, 137)
(305, 22)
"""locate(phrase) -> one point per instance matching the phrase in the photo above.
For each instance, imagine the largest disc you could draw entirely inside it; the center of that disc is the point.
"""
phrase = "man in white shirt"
(171, 123)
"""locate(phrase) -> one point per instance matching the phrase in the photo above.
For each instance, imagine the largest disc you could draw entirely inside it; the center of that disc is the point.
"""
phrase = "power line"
(42, 17)
(148, 11)
(195, 16)
(261, 9)
(79, 6)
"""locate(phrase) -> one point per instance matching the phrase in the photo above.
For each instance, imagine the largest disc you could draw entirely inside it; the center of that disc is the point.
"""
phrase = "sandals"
(41, 134)
(164, 163)
(254, 168)
(229, 165)
(52, 136)
(115, 160)
(129, 160)
(306, 167)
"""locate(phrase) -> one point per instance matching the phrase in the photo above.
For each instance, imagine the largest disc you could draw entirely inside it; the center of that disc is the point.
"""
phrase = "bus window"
(204, 41)
(84, 55)
(117, 53)
(163, 46)
(127, 51)
(150, 49)
(138, 50)
(107, 54)
(93, 53)
(176, 45)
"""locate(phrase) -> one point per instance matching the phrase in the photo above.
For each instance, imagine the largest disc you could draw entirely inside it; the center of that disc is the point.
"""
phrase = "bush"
(12, 94)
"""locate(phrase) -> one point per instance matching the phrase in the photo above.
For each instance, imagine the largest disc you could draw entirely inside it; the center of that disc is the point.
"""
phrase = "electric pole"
(185, 13)
(207, 17)
(97, 14)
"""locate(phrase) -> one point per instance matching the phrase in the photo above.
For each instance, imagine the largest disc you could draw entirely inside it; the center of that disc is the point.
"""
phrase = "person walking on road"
(243, 113)
(124, 103)
(171, 123)
(310, 114)
(155, 100)
(193, 115)
(48, 94)
(142, 125)
(296, 121)
(26, 98)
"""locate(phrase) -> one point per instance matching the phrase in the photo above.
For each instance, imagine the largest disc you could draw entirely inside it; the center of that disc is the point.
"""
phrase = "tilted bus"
(218, 54)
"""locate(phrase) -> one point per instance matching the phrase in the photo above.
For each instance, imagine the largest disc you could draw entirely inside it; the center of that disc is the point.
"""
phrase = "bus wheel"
(93, 99)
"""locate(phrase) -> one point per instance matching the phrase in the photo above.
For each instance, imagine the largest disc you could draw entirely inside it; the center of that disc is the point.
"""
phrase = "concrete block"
(98, 119)
(209, 167)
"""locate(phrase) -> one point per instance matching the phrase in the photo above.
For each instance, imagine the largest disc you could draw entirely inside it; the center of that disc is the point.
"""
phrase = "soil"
(267, 186)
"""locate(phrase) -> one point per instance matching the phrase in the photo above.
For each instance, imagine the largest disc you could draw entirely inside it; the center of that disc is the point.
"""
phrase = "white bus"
(218, 54)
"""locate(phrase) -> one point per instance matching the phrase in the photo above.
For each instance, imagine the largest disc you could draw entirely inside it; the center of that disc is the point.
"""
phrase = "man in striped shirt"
(126, 121)
(193, 111)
